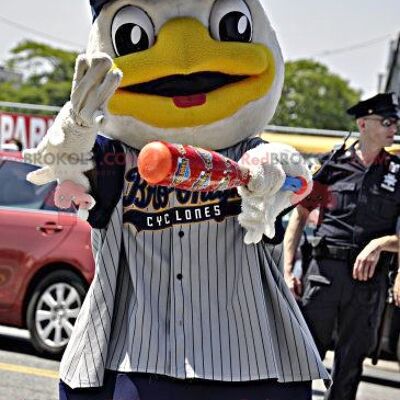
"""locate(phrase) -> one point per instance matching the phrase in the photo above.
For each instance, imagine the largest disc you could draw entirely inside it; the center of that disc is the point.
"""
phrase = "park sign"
(29, 129)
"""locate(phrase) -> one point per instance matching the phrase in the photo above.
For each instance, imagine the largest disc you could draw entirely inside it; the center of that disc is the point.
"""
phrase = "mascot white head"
(202, 72)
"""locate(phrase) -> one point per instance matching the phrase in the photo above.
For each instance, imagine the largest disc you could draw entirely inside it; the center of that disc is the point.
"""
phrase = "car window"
(17, 192)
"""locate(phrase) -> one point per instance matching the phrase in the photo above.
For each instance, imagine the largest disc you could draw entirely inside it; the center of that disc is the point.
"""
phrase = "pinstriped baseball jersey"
(177, 293)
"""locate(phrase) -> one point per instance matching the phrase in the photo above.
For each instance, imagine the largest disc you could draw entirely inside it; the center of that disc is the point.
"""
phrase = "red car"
(46, 262)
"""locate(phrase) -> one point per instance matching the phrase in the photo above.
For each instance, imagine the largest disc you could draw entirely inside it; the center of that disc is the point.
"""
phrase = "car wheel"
(52, 311)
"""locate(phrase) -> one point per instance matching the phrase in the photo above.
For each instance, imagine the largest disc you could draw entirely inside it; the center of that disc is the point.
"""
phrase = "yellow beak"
(184, 48)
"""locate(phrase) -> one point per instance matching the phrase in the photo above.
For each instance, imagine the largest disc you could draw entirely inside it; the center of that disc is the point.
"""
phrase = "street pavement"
(26, 376)
(381, 382)
(366, 391)
(23, 374)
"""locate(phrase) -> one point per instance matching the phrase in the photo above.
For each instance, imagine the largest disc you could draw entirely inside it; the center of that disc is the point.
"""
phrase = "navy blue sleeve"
(106, 180)
(254, 142)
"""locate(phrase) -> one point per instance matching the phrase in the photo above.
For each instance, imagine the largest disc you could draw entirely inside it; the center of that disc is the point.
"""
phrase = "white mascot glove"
(65, 151)
(262, 199)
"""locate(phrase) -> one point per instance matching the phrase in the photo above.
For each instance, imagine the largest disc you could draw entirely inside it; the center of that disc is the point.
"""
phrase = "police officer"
(358, 193)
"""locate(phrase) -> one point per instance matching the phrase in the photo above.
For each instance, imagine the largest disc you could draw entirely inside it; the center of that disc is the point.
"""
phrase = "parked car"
(46, 262)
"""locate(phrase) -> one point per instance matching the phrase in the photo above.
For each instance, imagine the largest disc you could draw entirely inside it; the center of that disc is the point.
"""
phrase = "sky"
(351, 37)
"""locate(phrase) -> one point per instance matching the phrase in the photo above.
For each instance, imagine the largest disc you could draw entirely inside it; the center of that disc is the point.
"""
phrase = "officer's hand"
(295, 285)
(396, 291)
(366, 262)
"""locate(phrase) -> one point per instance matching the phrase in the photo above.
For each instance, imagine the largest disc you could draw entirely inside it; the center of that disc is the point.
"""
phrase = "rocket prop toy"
(191, 168)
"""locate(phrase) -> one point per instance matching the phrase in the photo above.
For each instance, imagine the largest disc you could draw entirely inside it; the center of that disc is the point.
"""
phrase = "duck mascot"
(187, 301)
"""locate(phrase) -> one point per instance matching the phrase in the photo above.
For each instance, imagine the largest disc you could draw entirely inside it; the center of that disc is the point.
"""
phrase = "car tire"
(52, 311)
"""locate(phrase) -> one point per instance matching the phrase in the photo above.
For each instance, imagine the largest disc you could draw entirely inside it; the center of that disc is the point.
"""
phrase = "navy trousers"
(134, 386)
(334, 300)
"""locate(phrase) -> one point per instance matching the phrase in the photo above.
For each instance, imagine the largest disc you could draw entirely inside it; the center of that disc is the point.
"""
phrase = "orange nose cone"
(155, 162)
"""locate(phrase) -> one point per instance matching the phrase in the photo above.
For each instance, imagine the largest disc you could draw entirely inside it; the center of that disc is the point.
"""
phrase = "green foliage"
(48, 73)
(313, 97)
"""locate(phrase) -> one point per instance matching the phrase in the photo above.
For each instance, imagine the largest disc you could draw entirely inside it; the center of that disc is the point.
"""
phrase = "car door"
(30, 227)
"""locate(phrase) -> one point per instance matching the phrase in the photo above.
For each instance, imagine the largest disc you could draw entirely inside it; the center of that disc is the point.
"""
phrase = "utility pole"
(393, 77)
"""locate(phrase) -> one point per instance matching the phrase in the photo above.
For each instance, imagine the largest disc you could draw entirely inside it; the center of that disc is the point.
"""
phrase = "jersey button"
(179, 277)
(181, 234)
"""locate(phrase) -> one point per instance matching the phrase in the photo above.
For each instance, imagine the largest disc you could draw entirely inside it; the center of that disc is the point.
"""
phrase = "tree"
(48, 73)
(313, 97)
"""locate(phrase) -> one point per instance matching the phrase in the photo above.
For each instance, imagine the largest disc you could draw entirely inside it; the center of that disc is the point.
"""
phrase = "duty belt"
(335, 252)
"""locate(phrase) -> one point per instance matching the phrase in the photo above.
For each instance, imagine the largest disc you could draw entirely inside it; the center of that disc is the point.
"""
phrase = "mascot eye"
(132, 31)
(231, 21)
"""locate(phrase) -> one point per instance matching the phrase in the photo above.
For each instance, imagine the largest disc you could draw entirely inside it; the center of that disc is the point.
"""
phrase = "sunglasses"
(386, 122)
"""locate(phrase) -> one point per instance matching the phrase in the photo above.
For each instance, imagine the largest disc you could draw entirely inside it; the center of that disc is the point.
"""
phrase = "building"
(393, 69)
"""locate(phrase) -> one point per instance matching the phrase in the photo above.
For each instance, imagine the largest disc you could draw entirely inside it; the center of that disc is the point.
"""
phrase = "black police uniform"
(357, 204)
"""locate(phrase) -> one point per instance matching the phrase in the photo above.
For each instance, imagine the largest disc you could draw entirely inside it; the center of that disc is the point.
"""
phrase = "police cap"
(384, 104)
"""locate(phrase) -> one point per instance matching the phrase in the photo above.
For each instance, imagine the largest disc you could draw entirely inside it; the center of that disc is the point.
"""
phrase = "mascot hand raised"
(65, 152)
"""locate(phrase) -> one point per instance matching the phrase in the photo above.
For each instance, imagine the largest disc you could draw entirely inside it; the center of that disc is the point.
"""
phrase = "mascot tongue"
(190, 101)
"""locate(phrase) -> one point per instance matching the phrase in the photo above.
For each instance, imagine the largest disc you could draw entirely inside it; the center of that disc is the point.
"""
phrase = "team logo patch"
(391, 178)
(155, 208)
